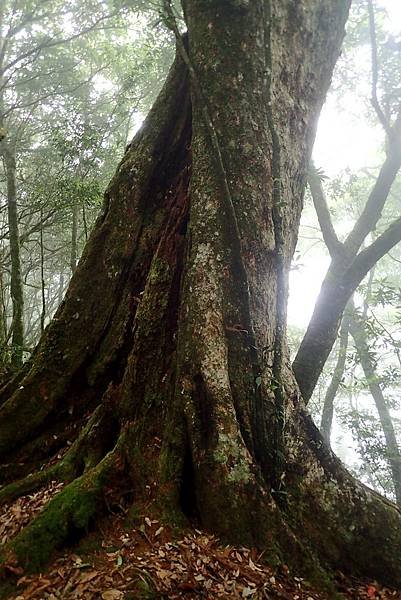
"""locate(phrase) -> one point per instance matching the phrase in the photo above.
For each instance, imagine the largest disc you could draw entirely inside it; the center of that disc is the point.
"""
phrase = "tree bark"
(392, 450)
(16, 284)
(4, 361)
(347, 268)
(338, 373)
(172, 316)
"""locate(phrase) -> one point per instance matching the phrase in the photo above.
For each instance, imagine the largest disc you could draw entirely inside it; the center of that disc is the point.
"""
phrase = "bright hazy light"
(344, 140)
(393, 8)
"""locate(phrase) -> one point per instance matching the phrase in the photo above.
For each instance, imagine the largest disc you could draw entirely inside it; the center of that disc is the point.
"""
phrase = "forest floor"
(148, 561)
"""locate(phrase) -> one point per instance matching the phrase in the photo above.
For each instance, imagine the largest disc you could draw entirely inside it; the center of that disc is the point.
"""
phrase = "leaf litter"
(129, 562)
(16, 515)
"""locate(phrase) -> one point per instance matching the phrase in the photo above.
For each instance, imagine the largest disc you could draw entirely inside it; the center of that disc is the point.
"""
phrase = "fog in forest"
(77, 81)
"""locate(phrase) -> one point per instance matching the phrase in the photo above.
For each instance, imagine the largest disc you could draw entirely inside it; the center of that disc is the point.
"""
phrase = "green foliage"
(356, 426)
(317, 172)
(78, 78)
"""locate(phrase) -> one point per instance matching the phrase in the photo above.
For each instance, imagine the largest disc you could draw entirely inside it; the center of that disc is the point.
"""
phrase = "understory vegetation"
(159, 202)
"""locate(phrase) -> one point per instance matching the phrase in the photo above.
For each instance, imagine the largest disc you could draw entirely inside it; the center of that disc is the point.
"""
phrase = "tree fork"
(175, 318)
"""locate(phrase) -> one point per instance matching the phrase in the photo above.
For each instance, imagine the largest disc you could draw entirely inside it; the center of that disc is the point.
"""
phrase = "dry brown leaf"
(112, 595)
(88, 576)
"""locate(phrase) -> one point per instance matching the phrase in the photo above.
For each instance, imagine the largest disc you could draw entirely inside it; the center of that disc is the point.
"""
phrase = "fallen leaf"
(112, 595)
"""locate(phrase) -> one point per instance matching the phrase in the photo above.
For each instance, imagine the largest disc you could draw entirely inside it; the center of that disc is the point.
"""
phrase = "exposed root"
(95, 439)
(88, 449)
(350, 527)
(66, 516)
(29, 484)
(16, 515)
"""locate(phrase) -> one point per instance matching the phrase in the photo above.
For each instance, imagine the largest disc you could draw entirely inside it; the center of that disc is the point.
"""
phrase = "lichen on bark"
(179, 310)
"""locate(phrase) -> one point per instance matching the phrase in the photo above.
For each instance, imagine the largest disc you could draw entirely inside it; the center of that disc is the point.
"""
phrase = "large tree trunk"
(175, 315)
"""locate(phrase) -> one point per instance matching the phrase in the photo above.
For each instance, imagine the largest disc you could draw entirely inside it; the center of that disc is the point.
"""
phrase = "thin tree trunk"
(338, 374)
(84, 221)
(3, 326)
(60, 289)
(16, 284)
(42, 277)
(392, 450)
(74, 238)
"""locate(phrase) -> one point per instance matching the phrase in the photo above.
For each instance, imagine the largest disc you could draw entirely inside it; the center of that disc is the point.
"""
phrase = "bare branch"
(323, 214)
(375, 71)
(376, 201)
(368, 257)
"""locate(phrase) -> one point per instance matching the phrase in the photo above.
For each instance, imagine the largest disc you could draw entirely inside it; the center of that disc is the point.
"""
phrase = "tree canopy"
(145, 352)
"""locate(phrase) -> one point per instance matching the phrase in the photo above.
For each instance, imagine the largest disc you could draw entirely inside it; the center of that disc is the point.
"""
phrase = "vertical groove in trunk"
(86, 344)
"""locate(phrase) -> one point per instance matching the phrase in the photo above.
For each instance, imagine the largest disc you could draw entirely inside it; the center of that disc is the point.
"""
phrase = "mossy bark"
(85, 347)
(171, 318)
(67, 515)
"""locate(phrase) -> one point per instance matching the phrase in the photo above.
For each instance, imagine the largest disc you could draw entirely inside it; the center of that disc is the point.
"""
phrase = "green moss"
(64, 518)
(159, 271)
(67, 514)
(230, 452)
(29, 484)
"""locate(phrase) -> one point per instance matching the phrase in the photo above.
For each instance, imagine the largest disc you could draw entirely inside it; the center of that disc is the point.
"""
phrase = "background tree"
(30, 44)
(349, 266)
(357, 328)
(68, 97)
(346, 194)
(170, 347)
